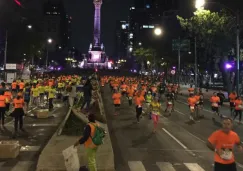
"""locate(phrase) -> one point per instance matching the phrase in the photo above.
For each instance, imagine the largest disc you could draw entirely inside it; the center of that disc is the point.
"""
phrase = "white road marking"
(193, 167)
(136, 166)
(30, 148)
(23, 165)
(165, 166)
(178, 141)
(179, 112)
(174, 138)
(44, 125)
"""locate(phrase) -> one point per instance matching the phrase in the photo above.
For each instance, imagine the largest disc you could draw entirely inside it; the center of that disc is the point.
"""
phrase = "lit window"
(145, 26)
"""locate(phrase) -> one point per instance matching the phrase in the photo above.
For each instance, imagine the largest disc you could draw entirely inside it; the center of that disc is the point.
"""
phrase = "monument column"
(97, 4)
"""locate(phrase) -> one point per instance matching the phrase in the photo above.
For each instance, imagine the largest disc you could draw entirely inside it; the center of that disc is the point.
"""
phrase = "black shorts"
(232, 104)
(117, 105)
(224, 167)
(215, 109)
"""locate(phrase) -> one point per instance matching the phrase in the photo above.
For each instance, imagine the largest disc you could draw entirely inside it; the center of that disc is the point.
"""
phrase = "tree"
(212, 33)
(211, 30)
(143, 55)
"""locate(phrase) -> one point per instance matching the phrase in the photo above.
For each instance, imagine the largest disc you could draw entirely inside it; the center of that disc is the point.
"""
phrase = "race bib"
(139, 106)
(130, 98)
(197, 103)
(192, 107)
(170, 103)
(215, 105)
(123, 89)
(227, 155)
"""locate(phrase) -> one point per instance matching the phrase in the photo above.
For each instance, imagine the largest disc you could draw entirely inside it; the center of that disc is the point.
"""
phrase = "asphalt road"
(38, 132)
(177, 145)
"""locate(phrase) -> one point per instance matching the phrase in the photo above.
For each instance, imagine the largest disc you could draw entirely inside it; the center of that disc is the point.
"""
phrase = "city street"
(177, 145)
(38, 132)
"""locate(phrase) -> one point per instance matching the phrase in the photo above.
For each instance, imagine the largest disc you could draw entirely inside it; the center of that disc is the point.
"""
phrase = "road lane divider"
(178, 141)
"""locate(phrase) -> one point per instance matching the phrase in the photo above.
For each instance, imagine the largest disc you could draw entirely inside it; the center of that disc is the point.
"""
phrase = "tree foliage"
(144, 54)
(211, 30)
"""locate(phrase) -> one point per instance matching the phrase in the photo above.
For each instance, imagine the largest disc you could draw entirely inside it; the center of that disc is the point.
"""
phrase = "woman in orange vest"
(3, 101)
(18, 113)
(117, 101)
(9, 96)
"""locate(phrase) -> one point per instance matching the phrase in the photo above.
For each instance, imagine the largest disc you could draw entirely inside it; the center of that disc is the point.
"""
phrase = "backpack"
(99, 135)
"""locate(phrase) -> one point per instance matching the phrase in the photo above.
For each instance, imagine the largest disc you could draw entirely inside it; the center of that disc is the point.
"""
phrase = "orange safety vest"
(2, 101)
(8, 95)
(89, 143)
(18, 103)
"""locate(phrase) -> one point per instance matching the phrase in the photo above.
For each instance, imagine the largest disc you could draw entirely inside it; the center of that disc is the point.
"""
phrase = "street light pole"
(47, 56)
(195, 68)
(5, 54)
(238, 52)
(179, 61)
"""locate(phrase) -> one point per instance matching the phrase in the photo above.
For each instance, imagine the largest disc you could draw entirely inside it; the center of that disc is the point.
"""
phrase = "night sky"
(82, 12)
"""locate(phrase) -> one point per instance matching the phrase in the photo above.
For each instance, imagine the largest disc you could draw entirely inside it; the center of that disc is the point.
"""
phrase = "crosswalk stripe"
(30, 148)
(165, 166)
(24, 165)
(136, 166)
(193, 167)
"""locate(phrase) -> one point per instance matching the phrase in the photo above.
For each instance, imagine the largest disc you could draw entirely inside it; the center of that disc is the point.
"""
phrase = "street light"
(49, 41)
(157, 31)
(199, 4)
(29, 26)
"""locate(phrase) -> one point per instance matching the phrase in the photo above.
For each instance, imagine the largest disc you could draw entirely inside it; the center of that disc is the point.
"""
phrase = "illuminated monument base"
(95, 56)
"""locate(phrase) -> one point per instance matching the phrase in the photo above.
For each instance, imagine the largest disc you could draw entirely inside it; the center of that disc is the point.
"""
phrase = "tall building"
(121, 42)
(144, 16)
(57, 24)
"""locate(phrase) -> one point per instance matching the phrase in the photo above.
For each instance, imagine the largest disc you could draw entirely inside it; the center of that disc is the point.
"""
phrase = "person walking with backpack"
(93, 137)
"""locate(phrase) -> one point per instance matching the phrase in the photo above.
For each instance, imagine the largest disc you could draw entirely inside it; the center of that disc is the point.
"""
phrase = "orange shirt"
(18, 103)
(14, 85)
(226, 142)
(123, 87)
(3, 100)
(191, 101)
(232, 97)
(197, 97)
(237, 103)
(215, 100)
(8, 94)
(130, 92)
(191, 90)
(21, 85)
(116, 98)
(139, 100)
